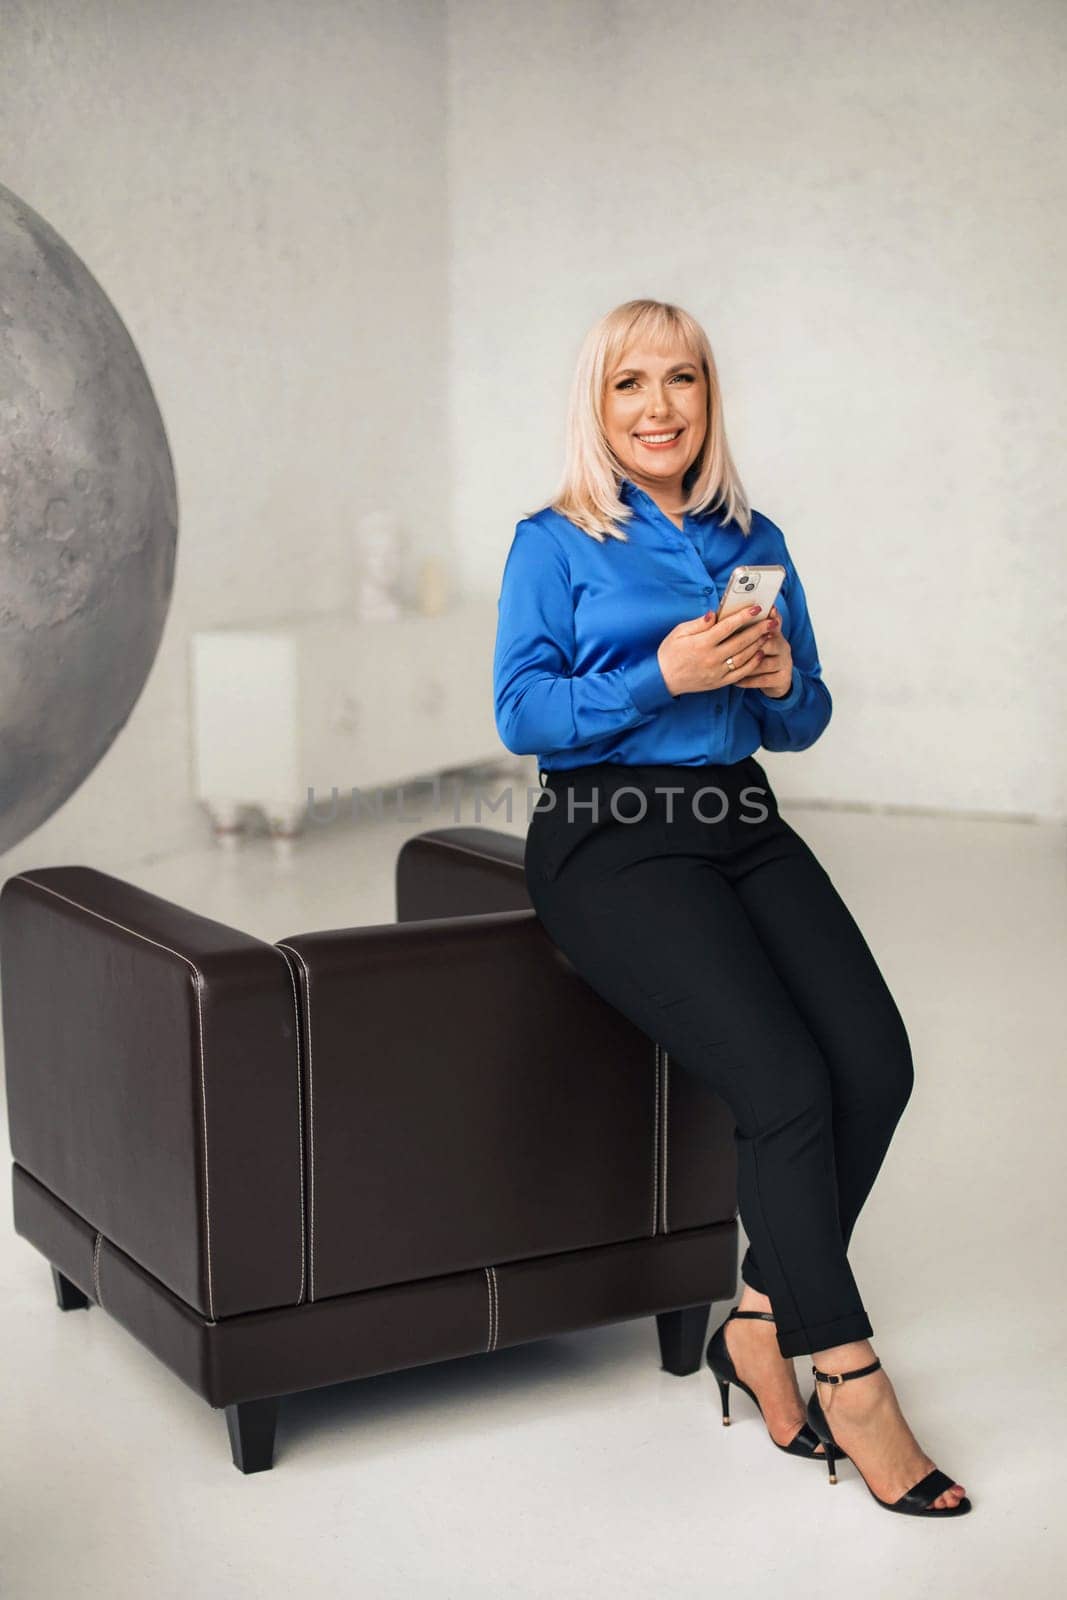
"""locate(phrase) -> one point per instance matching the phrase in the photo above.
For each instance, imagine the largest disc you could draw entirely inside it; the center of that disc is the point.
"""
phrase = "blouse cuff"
(646, 684)
(787, 701)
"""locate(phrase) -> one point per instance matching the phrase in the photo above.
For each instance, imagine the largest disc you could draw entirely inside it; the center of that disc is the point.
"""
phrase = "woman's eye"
(686, 377)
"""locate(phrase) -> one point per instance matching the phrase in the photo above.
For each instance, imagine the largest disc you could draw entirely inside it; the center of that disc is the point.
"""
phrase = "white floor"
(575, 1467)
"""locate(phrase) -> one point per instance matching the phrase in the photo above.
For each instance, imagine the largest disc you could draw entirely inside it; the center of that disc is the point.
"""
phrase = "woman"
(658, 862)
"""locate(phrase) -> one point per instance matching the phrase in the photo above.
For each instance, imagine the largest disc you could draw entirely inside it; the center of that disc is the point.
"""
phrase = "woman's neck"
(668, 498)
(674, 512)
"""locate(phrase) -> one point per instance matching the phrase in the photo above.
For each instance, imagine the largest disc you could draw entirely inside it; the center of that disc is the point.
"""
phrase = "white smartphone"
(749, 586)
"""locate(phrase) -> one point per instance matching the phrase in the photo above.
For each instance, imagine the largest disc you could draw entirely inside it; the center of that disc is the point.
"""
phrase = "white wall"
(357, 245)
(863, 205)
(259, 188)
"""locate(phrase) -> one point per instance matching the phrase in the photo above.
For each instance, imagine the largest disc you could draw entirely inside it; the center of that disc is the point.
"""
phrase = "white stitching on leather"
(300, 1125)
(311, 1131)
(494, 1306)
(96, 1268)
(197, 983)
(666, 1135)
(655, 1148)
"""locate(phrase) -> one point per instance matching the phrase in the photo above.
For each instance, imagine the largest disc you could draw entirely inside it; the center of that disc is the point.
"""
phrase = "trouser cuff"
(750, 1274)
(823, 1335)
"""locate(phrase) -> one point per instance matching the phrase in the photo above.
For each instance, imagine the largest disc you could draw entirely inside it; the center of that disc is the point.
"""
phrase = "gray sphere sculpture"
(88, 522)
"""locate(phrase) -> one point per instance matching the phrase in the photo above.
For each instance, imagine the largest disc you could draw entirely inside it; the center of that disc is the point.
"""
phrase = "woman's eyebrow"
(639, 371)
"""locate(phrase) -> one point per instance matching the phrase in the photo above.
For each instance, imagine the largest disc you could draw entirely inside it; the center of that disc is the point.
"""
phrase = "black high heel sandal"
(914, 1502)
(804, 1442)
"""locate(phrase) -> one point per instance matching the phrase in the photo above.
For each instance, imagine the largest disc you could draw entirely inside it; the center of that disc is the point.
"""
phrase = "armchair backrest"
(459, 872)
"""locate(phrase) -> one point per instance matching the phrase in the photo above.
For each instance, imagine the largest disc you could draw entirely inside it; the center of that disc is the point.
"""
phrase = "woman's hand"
(774, 673)
(692, 657)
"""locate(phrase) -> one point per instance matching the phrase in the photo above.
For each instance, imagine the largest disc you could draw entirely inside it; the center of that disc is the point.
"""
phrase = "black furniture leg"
(681, 1338)
(251, 1428)
(68, 1296)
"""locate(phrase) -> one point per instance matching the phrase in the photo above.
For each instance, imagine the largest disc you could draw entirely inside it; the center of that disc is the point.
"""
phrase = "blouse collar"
(629, 490)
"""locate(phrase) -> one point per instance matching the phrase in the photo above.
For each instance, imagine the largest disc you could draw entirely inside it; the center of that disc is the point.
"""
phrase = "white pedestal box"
(332, 702)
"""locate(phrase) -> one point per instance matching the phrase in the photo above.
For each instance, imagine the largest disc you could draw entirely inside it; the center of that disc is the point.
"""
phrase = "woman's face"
(650, 394)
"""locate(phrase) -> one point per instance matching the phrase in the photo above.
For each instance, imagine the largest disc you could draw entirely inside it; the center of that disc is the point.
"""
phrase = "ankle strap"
(843, 1377)
(765, 1316)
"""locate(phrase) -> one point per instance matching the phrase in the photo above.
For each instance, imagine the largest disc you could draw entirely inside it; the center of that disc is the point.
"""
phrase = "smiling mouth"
(659, 441)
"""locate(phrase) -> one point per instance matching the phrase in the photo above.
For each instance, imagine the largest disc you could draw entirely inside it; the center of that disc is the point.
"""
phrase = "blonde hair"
(589, 494)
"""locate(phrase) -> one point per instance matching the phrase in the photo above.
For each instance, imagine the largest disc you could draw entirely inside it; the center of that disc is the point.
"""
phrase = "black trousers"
(684, 899)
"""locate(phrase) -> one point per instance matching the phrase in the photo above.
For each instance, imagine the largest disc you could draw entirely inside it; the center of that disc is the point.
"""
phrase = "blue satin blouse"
(576, 679)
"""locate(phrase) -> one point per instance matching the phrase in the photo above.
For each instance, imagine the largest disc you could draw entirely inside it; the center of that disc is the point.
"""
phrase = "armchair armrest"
(460, 872)
(152, 1083)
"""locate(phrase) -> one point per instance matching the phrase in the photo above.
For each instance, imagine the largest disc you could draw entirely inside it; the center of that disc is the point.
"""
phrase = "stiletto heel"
(724, 1396)
(918, 1501)
(804, 1442)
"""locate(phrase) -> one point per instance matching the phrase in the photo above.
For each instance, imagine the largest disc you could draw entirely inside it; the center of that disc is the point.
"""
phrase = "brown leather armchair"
(287, 1165)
